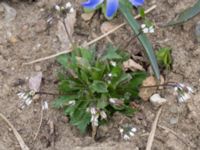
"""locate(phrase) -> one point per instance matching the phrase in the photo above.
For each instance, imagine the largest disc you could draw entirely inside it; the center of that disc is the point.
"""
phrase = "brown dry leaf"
(132, 65)
(35, 82)
(70, 21)
(145, 93)
(87, 16)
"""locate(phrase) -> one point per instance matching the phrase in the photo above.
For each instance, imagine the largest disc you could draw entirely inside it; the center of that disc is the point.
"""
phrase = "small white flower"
(183, 92)
(190, 90)
(45, 105)
(103, 115)
(133, 130)
(145, 30)
(94, 120)
(126, 137)
(68, 5)
(28, 101)
(112, 100)
(110, 74)
(183, 98)
(57, 7)
(72, 102)
(131, 133)
(25, 97)
(113, 63)
(121, 130)
(151, 29)
(21, 95)
(71, 10)
(93, 110)
(143, 25)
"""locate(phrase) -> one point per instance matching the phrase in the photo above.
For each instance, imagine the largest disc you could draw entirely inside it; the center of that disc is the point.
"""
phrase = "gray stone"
(174, 120)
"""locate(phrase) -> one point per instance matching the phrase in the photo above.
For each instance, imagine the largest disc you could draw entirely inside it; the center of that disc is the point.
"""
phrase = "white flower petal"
(133, 130)
(93, 111)
(126, 137)
(121, 130)
(71, 10)
(112, 100)
(151, 30)
(131, 134)
(143, 25)
(57, 7)
(145, 30)
(103, 114)
(68, 5)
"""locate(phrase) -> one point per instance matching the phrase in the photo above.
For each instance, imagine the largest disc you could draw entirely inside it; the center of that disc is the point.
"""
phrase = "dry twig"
(153, 130)
(17, 135)
(89, 43)
(40, 124)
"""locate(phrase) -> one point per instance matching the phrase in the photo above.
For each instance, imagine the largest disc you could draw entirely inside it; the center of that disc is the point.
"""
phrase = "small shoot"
(164, 58)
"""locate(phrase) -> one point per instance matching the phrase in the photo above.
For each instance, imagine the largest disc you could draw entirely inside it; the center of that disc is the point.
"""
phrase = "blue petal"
(111, 7)
(92, 4)
(137, 2)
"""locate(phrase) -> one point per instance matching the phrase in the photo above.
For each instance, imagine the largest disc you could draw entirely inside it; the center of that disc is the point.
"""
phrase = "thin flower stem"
(68, 34)
(132, 38)
(168, 84)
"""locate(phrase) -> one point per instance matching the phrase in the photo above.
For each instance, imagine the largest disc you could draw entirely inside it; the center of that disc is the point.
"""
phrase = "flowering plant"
(92, 88)
(125, 6)
(110, 7)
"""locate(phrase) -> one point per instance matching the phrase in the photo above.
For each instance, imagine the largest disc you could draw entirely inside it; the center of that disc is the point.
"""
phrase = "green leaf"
(63, 60)
(137, 79)
(62, 101)
(164, 57)
(80, 118)
(186, 14)
(84, 76)
(102, 102)
(111, 53)
(87, 54)
(129, 111)
(142, 37)
(99, 87)
(122, 79)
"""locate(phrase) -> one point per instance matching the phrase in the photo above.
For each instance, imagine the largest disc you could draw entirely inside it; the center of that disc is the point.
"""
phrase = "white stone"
(156, 100)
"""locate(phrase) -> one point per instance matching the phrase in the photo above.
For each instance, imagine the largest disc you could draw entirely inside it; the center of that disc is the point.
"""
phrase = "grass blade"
(142, 37)
(186, 14)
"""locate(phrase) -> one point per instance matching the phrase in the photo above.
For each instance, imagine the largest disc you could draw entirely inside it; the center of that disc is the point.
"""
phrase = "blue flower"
(111, 5)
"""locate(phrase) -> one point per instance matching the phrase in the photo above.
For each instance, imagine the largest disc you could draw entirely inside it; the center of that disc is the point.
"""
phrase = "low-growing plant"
(93, 88)
(164, 57)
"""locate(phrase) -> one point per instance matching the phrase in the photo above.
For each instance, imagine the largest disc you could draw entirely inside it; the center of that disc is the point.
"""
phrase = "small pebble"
(38, 68)
(173, 109)
(156, 100)
(174, 120)
(13, 40)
